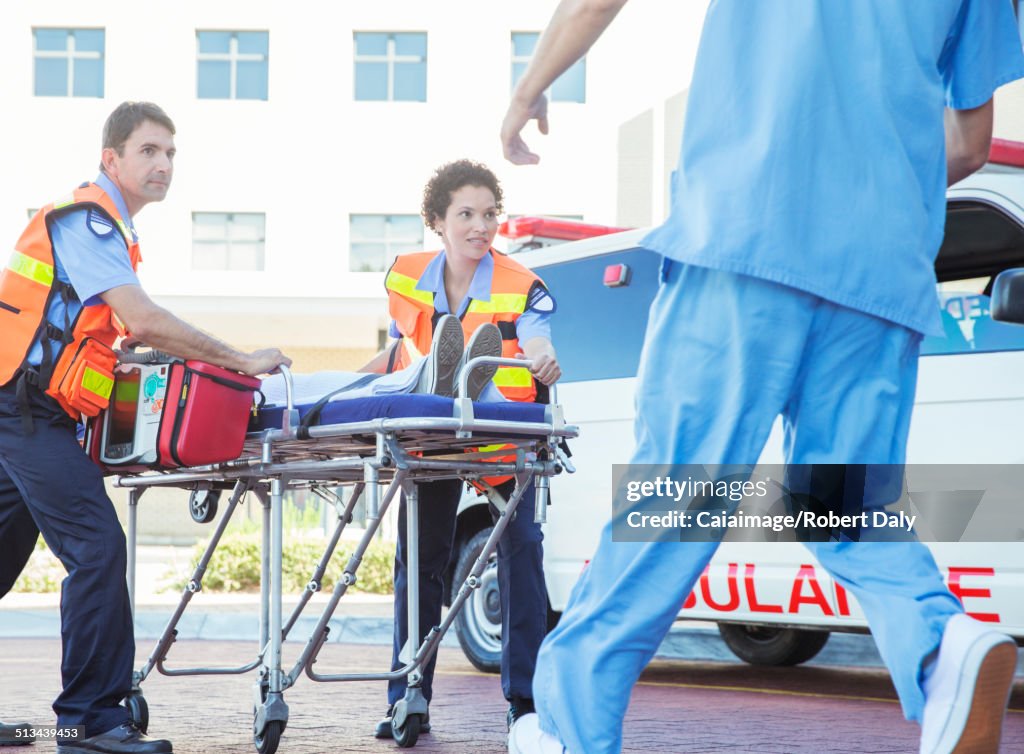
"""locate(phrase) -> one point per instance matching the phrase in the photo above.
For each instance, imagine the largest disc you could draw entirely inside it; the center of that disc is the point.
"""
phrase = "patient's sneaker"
(486, 341)
(526, 737)
(438, 375)
(967, 691)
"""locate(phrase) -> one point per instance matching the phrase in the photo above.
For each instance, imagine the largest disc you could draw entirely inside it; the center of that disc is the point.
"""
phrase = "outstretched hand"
(518, 115)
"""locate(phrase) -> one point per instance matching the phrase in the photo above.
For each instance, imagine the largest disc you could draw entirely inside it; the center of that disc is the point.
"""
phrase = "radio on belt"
(166, 415)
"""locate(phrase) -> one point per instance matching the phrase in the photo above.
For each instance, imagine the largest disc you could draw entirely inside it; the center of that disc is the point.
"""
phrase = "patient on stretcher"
(437, 373)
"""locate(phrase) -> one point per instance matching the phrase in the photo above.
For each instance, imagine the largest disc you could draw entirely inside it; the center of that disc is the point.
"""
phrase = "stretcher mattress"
(404, 406)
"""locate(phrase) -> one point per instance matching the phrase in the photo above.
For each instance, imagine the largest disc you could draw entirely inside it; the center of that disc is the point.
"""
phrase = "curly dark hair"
(449, 178)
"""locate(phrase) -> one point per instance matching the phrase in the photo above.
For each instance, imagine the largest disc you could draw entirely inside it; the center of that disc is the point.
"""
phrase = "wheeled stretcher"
(380, 446)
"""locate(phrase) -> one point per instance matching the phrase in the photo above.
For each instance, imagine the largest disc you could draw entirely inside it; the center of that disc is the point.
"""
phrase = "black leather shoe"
(383, 729)
(517, 708)
(124, 739)
(9, 734)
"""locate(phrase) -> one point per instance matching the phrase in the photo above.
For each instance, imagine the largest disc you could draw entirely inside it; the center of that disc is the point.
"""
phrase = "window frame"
(233, 57)
(228, 242)
(71, 55)
(390, 58)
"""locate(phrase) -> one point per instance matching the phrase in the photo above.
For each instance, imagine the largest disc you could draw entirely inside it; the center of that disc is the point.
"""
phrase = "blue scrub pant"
(48, 485)
(724, 355)
(524, 597)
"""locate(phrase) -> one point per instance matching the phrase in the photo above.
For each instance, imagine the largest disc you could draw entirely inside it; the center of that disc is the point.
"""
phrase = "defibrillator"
(168, 413)
(130, 427)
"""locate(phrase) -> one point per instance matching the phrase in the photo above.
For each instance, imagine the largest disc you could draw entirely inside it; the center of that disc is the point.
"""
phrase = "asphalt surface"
(679, 706)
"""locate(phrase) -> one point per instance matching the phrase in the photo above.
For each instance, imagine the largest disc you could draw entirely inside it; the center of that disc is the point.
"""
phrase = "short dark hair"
(437, 195)
(126, 118)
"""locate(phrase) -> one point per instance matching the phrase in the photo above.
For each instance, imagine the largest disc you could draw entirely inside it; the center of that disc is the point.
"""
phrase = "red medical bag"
(163, 416)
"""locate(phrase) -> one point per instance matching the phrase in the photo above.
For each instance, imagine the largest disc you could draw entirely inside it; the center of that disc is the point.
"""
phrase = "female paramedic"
(481, 286)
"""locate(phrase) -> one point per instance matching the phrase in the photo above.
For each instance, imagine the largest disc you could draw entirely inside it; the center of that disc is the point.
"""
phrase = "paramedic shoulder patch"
(99, 223)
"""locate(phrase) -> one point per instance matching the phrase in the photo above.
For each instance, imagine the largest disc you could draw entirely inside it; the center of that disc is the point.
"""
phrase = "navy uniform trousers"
(524, 596)
(48, 485)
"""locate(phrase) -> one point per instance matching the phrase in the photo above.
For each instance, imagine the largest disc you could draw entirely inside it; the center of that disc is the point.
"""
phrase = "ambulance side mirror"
(1008, 296)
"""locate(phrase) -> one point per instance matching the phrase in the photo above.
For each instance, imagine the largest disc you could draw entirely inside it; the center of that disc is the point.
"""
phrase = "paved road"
(679, 707)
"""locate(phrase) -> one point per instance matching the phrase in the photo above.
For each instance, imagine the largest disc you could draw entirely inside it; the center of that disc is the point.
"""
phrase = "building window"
(228, 240)
(391, 66)
(68, 62)
(571, 86)
(232, 64)
(377, 239)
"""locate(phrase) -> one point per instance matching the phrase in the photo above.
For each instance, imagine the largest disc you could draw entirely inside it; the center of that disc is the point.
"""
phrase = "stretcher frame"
(396, 452)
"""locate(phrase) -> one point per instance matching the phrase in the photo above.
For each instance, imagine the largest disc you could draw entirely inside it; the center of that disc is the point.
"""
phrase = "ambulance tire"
(478, 624)
(767, 645)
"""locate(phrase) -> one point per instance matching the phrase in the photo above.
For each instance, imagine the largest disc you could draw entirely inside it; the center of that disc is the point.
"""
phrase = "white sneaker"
(968, 689)
(526, 737)
(438, 375)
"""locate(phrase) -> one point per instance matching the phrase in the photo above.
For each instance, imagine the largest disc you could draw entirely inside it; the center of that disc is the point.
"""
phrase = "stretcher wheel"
(268, 740)
(408, 732)
(138, 710)
(202, 505)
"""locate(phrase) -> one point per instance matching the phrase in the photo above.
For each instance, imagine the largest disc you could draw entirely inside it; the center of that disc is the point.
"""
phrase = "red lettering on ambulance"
(734, 591)
(748, 584)
(842, 602)
(806, 575)
(956, 573)
(691, 598)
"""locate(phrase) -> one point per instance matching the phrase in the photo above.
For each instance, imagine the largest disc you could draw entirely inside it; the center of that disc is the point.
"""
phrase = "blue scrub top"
(532, 323)
(91, 256)
(814, 151)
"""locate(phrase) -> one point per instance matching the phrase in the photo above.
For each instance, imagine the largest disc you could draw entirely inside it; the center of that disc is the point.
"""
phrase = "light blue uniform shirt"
(814, 150)
(91, 256)
(532, 323)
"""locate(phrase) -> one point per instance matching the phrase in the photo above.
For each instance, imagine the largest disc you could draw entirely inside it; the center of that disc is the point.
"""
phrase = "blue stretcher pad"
(403, 406)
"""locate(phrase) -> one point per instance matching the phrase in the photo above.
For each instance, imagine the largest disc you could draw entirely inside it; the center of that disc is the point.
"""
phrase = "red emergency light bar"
(547, 227)
(1006, 152)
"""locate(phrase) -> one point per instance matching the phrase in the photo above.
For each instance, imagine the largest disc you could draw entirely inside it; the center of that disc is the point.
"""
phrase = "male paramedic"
(798, 280)
(67, 293)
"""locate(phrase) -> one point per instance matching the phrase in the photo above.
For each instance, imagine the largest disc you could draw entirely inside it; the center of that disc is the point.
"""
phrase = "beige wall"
(1009, 119)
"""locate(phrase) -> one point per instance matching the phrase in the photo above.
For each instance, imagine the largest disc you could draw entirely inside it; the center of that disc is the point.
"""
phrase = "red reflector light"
(616, 275)
(1006, 152)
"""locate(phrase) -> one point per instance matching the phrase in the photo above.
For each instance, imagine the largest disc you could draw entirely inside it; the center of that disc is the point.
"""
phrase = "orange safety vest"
(414, 314)
(80, 375)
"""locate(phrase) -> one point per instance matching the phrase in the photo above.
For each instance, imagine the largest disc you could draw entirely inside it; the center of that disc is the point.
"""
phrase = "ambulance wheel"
(478, 624)
(202, 505)
(408, 732)
(767, 645)
(269, 738)
(138, 710)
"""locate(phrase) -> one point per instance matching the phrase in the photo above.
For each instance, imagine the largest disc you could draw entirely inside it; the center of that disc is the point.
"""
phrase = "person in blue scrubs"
(49, 485)
(808, 207)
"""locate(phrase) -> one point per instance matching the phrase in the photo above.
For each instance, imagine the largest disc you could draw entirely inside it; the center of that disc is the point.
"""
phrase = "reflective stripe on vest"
(513, 377)
(96, 383)
(499, 303)
(406, 286)
(34, 269)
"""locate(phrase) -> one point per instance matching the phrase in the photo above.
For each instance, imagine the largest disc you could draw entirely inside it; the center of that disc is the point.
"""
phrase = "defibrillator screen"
(124, 406)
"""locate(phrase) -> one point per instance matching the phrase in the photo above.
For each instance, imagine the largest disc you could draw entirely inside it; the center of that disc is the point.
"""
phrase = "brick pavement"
(679, 707)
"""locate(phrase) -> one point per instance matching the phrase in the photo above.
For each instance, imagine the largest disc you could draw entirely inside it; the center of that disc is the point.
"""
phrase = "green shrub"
(43, 572)
(235, 566)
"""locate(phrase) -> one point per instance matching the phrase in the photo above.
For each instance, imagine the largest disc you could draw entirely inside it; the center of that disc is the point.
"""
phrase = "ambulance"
(773, 604)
